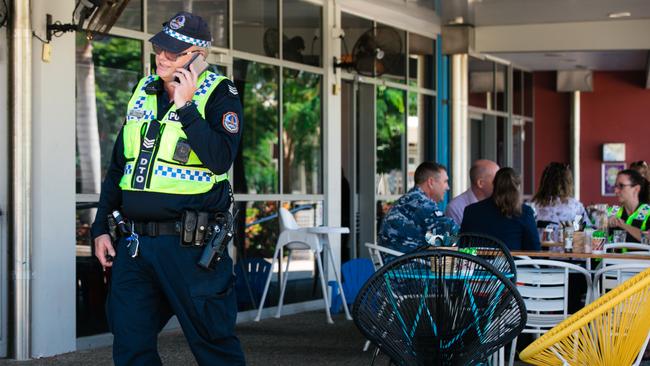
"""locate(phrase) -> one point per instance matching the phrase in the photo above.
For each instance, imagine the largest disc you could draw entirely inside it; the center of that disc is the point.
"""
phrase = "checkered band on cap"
(181, 37)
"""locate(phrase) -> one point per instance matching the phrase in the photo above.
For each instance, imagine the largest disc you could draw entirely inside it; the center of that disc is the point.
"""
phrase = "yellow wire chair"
(609, 331)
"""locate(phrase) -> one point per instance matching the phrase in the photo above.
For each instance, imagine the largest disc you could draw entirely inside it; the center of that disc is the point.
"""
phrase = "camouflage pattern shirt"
(408, 221)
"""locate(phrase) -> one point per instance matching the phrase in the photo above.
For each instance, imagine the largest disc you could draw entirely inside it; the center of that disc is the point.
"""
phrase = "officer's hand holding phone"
(186, 78)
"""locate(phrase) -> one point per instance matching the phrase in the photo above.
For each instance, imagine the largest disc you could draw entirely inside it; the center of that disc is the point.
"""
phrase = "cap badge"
(177, 23)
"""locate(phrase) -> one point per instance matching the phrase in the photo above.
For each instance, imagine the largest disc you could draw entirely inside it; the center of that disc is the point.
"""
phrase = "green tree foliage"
(301, 135)
(260, 137)
(118, 67)
(390, 129)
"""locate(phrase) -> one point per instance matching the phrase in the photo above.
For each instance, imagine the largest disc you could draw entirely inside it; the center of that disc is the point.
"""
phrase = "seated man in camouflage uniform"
(416, 213)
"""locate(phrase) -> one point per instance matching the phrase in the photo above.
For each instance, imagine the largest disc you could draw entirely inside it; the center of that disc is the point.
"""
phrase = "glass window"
(528, 94)
(391, 42)
(419, 126)
(302, 40)
(517, 92)
(255, 27)
(131, 17)
(301, 132)
(488, 138)
(353, 27)
(502, 140)
(529, 178)
(258, 89)
(214, 12)
(107, 71)
(91, 279)
(481, 83)
(501, 88)
(422, 61)
(390, 138)
(518, 148)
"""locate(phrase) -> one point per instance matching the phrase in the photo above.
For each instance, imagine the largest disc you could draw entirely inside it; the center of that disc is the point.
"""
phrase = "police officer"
(416, 213)
(180, 137)
(632, 191)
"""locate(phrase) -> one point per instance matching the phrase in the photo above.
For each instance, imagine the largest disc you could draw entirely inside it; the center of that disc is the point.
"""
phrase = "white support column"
(575, 142)
(332, 125)
(53, 256)
(21, 155)
(460, 139)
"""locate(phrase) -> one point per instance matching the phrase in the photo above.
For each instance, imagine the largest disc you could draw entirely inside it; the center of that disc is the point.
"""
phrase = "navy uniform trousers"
(164, 280)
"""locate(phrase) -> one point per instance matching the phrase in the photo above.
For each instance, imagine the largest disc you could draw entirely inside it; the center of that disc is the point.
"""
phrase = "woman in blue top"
(504, 215)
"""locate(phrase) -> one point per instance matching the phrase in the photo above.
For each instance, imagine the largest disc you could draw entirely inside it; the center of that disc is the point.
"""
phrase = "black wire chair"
(439, 307)
(492, 250)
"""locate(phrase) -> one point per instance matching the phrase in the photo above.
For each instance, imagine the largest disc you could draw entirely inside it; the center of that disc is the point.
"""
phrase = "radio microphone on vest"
(154, 87)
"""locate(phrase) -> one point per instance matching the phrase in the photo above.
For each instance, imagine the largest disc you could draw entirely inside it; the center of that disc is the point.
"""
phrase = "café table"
(562, 255)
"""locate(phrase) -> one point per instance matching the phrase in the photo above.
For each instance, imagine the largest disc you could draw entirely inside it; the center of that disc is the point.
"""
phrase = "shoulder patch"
(230, 122)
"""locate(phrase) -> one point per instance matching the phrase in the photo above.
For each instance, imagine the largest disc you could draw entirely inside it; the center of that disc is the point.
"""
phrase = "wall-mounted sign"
(614, 151)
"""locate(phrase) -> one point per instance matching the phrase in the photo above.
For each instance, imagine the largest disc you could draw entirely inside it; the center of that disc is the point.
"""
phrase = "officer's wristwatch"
(187, 104)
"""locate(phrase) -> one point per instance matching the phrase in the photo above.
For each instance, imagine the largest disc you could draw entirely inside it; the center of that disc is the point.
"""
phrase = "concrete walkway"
(301, 339)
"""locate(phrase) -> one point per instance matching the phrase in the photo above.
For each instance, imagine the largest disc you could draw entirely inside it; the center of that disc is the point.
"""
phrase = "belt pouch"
(112, 228)
(201, 228)
(189, 227)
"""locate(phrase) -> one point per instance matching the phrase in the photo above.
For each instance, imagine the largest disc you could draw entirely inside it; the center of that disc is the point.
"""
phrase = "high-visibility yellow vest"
(641, 214)
(150, 164)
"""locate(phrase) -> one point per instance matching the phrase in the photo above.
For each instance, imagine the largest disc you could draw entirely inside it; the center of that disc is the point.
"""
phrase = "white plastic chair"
(376, 251)
(611, 276)
(378, 262)
(544, 286)
(632, 249)
(293, 237)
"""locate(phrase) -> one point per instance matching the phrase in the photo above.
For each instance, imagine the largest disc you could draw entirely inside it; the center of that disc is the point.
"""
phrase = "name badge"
(173, 116)
(138, 113)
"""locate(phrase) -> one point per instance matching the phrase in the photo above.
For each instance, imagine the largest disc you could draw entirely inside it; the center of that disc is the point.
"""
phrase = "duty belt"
(154, 228)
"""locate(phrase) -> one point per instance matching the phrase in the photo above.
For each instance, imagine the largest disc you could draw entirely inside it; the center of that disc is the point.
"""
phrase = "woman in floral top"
(554, 200)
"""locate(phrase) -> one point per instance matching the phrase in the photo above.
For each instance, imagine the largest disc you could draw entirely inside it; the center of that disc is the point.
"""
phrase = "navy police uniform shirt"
(411, 217)
(215, 141)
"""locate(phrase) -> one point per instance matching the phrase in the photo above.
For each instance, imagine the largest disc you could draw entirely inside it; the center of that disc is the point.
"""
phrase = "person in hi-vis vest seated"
(632, 215)
(167, 192)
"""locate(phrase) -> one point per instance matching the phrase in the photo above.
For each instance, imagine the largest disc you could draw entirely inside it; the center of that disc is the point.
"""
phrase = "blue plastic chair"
(257, 269)
(355, 273)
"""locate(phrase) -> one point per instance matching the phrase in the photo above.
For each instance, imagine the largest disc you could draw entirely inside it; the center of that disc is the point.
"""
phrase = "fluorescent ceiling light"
(621, 14)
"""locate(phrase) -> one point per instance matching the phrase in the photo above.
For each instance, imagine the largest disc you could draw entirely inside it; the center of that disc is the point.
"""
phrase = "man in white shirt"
(481, 176)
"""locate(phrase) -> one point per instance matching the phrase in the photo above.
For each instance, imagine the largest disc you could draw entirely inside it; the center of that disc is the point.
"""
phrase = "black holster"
(220, 236)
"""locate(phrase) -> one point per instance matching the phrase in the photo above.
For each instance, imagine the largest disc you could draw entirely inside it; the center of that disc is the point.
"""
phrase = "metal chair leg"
(283, 286)
(268, 283)
(324, 289)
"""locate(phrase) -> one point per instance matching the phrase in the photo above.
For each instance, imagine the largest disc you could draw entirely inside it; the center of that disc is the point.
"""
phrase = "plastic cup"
(597, 245)
(619, 236)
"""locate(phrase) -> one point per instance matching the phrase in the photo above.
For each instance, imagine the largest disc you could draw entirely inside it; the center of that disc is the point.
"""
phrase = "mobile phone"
(199, 63)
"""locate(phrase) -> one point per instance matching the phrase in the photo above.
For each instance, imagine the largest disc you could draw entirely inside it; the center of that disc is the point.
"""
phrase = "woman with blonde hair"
(503, 215)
